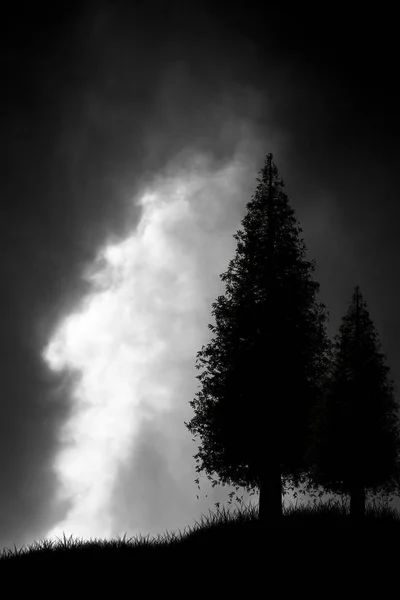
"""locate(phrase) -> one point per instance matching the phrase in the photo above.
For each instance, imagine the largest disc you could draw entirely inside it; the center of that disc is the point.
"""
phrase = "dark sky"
(98, 100)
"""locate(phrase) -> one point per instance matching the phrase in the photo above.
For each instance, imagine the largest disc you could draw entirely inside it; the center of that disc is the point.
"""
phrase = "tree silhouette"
(263, 368)
(355, 437)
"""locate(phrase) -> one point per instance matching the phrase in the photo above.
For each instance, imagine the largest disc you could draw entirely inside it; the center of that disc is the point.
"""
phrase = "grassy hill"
(218, 535)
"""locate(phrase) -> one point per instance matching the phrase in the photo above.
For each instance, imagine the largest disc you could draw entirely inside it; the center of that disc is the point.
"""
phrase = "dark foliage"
(263, 368)
(355, 436)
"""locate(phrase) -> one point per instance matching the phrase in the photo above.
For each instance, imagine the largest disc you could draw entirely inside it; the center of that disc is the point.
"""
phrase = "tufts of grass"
(219, 531)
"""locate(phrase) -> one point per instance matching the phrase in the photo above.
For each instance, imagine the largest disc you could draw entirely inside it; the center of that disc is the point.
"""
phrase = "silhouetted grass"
(218, 534)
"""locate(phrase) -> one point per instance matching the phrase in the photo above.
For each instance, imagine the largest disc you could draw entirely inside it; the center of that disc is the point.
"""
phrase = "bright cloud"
(140, 328)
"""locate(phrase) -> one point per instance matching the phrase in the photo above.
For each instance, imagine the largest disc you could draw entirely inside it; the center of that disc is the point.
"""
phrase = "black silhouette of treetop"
(355, 432)
(263, 368)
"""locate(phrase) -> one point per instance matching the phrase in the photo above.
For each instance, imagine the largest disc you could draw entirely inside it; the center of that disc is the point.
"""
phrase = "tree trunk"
(270, 504)
(357, 504)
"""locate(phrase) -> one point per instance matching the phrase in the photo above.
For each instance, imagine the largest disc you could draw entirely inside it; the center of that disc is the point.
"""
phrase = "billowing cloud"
(135, 336)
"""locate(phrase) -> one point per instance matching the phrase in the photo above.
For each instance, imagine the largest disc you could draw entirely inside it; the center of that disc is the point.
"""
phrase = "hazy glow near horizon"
(144, 320)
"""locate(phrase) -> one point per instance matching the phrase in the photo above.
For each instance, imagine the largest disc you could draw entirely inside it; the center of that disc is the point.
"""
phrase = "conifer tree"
(355, 427)
(263, 367)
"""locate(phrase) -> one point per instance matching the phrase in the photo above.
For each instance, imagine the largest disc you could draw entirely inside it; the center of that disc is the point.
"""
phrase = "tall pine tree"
(355, 436)
(264, 366)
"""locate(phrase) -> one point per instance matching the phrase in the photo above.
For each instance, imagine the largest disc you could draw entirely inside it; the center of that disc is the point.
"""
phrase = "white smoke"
(135, 338)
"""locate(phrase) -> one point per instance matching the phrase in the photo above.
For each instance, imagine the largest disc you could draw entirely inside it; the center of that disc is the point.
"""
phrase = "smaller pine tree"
(355, 440)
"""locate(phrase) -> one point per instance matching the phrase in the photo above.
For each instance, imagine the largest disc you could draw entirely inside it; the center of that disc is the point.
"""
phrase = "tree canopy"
(355, 430)
(263, 368)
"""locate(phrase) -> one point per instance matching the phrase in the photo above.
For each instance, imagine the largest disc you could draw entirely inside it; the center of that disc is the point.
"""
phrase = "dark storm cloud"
(96, 98)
